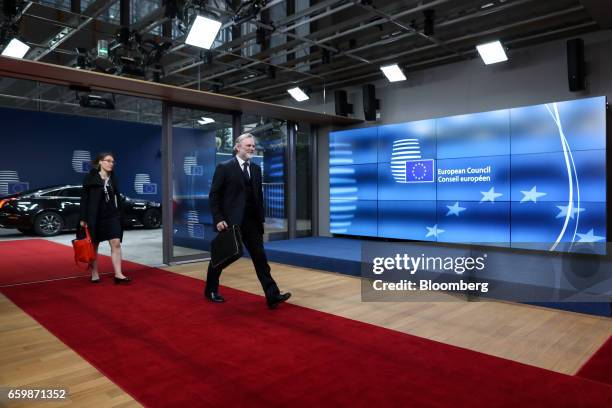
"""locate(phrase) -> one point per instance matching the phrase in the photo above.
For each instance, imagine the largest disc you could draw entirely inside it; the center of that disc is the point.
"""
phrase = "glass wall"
(271, 142)
(303, 181)
(39, 96)
(200, 139)
(72, 134)
(49, 142)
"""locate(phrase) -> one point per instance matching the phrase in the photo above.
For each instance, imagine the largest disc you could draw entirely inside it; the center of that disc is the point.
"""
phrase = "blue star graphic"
(563, 211)
(490, 195)
(454, 209)
(532, 195)
(590, 237)
(433, 231)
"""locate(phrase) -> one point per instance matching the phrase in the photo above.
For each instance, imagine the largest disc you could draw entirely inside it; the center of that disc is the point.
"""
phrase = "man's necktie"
(245, 170)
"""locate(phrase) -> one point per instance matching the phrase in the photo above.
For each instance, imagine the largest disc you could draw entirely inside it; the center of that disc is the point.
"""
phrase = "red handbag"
(84, 250)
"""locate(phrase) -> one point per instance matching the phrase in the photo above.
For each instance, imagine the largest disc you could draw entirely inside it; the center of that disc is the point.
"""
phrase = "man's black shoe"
(214, 297)
(274, 302)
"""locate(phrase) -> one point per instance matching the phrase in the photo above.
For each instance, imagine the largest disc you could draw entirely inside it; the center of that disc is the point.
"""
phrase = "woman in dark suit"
(101, 206)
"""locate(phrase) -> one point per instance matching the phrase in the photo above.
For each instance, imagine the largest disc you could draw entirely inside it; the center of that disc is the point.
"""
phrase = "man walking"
(236, 198)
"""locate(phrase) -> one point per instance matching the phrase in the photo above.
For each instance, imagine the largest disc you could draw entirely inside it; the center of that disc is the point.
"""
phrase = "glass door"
(271, 145)
(199, 139)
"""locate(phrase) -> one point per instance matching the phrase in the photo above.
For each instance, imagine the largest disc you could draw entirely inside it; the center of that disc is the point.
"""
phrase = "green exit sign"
(102, 48)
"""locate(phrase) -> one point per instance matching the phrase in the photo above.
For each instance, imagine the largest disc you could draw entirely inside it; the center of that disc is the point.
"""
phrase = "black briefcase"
(226, 247)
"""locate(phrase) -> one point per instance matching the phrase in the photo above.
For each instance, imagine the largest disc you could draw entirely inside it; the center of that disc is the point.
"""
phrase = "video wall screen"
(530, 177)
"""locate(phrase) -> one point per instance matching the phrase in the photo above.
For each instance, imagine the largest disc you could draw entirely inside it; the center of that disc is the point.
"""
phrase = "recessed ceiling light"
(393, 73)
(203, 32)
(205, 121)
(492, 52)
(298, 94)
(15, 49)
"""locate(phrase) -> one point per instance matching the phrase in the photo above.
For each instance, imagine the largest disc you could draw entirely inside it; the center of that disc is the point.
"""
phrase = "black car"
(51, 210)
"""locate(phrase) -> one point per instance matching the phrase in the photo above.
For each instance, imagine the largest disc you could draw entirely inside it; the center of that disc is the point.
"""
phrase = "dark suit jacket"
(91, 196)
(227, 195)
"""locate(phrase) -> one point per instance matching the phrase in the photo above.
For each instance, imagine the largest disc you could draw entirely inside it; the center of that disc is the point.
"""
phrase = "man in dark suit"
(236, 198)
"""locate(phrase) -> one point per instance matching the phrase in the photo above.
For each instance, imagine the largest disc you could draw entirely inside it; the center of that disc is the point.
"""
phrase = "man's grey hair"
(240, 138)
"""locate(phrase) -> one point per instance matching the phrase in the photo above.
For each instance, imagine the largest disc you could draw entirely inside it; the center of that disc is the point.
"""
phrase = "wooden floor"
(31, 357)
(560, 341)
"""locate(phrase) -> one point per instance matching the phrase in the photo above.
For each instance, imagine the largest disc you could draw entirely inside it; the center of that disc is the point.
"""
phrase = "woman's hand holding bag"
(84, 249)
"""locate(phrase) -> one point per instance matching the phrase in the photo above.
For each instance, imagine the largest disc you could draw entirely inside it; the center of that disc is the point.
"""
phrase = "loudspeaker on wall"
(343, 108)
(575, 64)
(370, 103)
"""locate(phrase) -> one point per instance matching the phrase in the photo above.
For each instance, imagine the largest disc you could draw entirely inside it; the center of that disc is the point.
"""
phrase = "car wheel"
(151, 218)
(48, 224)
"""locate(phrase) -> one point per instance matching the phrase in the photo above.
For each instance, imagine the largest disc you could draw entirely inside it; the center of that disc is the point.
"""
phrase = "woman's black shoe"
(119, 281)
(95, 280)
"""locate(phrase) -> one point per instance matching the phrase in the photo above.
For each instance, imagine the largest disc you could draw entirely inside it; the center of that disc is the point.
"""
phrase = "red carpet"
(162, 343)
(599, 366)
(33, 260)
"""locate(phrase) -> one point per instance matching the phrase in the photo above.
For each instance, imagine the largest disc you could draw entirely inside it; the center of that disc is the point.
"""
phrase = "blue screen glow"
(530, 177)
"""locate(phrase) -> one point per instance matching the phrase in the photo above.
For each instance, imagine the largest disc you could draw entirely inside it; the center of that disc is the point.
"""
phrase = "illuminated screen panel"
(474, 135)
(407, 219)
(480, 179)
(530, 177)
(350, 147)
(353, 217)
(543, 128)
